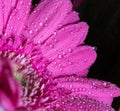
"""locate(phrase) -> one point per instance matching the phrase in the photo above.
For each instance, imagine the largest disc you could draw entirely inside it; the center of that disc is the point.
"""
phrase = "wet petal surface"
(98, 90)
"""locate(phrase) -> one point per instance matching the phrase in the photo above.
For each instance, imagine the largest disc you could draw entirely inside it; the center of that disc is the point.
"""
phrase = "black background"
(103, 17)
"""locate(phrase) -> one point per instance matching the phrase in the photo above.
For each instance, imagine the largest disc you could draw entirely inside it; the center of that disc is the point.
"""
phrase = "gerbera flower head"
(44, 45)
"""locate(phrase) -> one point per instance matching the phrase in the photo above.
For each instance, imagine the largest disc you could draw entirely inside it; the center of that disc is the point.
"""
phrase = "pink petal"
(80, 59)
(71, 17)
(65, 39)
(46, 18)
(7, 7)
(1, 18)
(98, 90)
(6, 103)
(119, 109)
(9, 87)
(18, 16)
(79, 103)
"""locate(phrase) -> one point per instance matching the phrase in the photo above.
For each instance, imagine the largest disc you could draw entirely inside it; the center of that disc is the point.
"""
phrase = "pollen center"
(18, 76)
(32, 83)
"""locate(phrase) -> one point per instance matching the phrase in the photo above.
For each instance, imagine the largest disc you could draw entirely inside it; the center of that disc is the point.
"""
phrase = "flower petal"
(5, 102)
(98, 90)
(71, 17)
(65, 39)
(17, 18)
(80, 103)
(6, 6)
(1, 18)
(8, 86)
(75, 63)
(46, 18)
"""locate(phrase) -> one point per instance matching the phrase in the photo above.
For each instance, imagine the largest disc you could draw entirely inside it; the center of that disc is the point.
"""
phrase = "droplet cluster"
(69, 102)
(90, 87)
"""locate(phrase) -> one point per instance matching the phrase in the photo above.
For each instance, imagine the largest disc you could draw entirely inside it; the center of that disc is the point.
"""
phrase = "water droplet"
(30, 32)
(55, 33)
(55, 40)
(60, 56)
(59, 65)
(63, 53)
(61, 69)
(47, 14)
(71, 32)
(40, 24)
(70, 62)
(89, 92)
(51, 46)
(70, 86)
(36, 30)
(46, 18)
(55, 63)
(11, 27)
(39, 42)
(70, 50)
(111, 95)
(84, 60)
(21, 2)
(18, 18)
(105, 84)
(95, 48)
(55, 50)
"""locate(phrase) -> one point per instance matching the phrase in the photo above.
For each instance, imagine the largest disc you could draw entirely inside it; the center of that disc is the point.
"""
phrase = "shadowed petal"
(46, 18)
(119, 109)
(98, 90)
(76, 3)
(81, 103)
(18, 17)
(71, 102)
(8, 87)
(74, 63)
(6, 103)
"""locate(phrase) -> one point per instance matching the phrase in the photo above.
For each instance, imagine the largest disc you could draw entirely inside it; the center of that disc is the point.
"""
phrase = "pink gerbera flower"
(44, 46)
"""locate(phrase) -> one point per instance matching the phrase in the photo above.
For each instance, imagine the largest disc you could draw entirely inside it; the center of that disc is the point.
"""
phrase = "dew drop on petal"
(30, 32)
(95, 48)
(70, 50)
(55, 40)
(60, 56)
(21, 2)
(51, 46)
(40, 24)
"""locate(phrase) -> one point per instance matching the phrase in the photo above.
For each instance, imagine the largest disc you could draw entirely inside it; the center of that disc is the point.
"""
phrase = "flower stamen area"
(34, 87)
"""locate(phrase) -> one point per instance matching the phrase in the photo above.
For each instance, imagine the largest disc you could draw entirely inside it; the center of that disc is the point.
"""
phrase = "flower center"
(34, 86)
